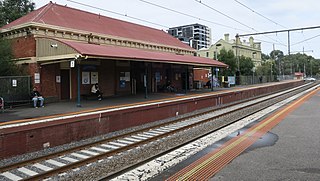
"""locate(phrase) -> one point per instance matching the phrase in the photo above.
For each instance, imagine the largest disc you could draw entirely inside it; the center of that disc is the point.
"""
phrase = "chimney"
(251, 41)
(226, 37)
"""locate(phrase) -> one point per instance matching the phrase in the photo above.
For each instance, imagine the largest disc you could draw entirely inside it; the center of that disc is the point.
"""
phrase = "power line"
(199, 1)
(259, 14)
(125, 15)
(305, 40)
(280, 31)
(191, 16)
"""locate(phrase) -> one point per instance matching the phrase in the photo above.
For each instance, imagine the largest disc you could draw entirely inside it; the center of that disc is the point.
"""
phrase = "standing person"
(95, 89)
(36, 96)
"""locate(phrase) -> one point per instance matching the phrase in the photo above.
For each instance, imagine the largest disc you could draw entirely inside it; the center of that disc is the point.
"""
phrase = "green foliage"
(7, 66)
(11, 10)
(264, 57)
(228, 58)
(246, 65)
(266, 69)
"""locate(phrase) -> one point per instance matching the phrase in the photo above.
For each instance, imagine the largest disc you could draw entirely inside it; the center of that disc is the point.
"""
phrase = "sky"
(222, 16)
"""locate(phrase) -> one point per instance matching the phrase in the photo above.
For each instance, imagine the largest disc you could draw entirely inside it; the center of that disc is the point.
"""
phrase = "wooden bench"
(89, 96)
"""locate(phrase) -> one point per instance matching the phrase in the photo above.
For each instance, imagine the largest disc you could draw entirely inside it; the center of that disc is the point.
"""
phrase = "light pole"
(238, 63)
(216, 69)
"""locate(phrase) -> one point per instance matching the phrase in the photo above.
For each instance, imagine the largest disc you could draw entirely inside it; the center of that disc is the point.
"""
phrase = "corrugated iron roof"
(125, 53)
(63, 16)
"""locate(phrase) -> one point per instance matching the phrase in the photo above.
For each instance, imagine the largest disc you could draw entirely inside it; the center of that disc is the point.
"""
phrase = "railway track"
(58, 163)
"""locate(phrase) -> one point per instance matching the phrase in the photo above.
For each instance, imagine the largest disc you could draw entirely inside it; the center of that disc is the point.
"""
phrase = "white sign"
(85, 77)
(231, 80)
(14, 83)
(94, 77)
(58, 79)
(36, 78)
(72, 64)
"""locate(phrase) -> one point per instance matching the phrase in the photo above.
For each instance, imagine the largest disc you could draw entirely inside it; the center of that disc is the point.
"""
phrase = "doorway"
(65, 84)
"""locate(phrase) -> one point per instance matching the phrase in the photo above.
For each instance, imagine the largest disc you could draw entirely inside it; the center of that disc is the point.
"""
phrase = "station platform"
(293, 154)
(64, 122)
(67, 107)
(70, 107)
(282, 146)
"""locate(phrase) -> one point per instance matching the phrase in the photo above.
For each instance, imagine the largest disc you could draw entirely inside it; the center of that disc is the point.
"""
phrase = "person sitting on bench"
(36, 96)
(95, 90)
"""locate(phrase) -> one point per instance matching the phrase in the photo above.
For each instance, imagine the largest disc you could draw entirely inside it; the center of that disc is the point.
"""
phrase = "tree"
(246, 65)
(7, 67)
(264, 57)
(228, 58)
(11, 10)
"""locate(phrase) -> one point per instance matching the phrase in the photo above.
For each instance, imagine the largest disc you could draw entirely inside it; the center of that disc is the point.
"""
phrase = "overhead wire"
(305, 40)
(252, 10)
(251, 28)
(125, 15)
(242, 4)
(188, 15)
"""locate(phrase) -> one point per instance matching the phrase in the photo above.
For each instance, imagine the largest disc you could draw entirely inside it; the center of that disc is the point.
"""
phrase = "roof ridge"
(105, 16)
(42, 12)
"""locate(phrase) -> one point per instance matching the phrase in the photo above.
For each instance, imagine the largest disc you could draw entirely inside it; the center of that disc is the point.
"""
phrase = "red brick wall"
(200, 75)
(32, 137)
(24, 47)
(49, 87)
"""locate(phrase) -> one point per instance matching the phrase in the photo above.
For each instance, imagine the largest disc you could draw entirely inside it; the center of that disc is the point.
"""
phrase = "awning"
(124, 53)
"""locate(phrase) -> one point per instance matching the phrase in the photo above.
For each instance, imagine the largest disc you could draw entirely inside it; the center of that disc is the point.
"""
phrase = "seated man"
(36, 96)
(95, 90)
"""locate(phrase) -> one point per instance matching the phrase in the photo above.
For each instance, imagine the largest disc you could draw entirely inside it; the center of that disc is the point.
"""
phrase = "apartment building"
(195, 35)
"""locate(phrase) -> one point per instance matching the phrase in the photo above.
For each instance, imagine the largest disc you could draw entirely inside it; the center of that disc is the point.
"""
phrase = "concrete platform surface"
(292, 151)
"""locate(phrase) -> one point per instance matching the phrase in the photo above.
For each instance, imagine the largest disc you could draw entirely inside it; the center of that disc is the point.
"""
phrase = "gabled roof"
(124, 53)
(66, 17)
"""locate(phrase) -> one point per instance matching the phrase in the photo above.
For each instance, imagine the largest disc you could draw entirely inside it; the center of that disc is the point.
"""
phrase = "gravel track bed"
(107, 166)
(110, 165)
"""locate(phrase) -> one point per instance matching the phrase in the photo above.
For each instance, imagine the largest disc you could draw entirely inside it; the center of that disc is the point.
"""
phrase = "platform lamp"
(238, 61)
(77, 59)
(254, 67)
(216, 69)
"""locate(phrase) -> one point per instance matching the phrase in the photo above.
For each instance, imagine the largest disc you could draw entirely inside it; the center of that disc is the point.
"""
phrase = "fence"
(15, 89)
(249, 80)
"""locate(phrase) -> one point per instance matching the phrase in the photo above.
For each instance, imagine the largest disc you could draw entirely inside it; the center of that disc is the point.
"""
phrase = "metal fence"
(15, 89)
(249, 80)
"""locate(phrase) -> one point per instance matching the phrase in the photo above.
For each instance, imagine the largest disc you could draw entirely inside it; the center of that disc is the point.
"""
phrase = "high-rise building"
(196, 35)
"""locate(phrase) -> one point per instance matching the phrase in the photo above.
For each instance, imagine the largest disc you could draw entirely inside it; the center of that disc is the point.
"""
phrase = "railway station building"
(66, 51)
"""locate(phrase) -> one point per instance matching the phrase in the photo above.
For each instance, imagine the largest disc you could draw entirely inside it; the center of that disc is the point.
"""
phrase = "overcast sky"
(278, 15)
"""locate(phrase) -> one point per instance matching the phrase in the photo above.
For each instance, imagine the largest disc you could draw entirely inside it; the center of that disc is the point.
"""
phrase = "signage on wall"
(58, 79)
(85, 77)
(14, 83)
(72, 63)
(94, 77)
(36, 78)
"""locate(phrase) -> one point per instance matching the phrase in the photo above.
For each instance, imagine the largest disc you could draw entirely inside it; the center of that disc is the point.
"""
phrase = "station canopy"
(134, 54)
